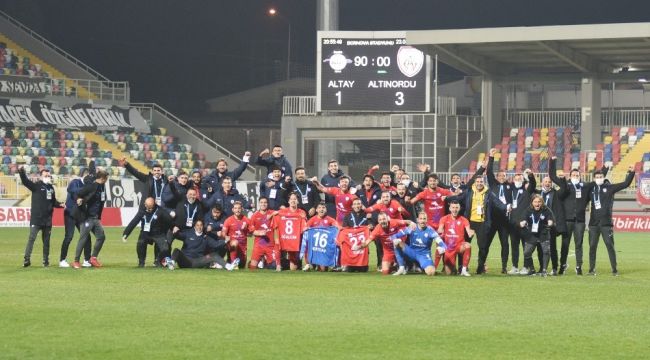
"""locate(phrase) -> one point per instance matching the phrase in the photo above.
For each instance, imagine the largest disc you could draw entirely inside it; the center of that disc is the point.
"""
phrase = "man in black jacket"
(503, 190)
(187, 212)
(308, 195)
(197, 250)
(90, 202)
(521, 192)
(600, 221)
(155, 182)
(43, 204)
(276, 158)
(213, 182)
(553, 199)
(154, 224)
(575, 205)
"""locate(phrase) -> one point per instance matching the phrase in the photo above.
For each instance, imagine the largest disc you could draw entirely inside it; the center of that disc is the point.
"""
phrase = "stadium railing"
(306, 105)
(562, 118)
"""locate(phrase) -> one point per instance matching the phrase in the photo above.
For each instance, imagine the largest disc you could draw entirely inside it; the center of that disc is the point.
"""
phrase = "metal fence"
(563, 118)
(306, 105)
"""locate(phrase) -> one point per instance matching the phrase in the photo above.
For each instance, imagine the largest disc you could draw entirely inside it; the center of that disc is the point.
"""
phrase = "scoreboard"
(372, 72)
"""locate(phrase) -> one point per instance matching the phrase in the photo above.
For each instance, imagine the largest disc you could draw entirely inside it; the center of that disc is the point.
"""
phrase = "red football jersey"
(392, 210)
(343, 202)
(454, 231)
(237, 229)
(290, 225)
(348, 238)
(383, 235)
(434, 205)
(260, 221)
(316, 221)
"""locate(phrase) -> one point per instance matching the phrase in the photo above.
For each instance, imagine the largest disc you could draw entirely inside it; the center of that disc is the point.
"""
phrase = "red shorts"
(260, 251)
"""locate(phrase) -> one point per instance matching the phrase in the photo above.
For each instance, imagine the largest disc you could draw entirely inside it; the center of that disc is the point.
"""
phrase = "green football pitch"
(122, 312)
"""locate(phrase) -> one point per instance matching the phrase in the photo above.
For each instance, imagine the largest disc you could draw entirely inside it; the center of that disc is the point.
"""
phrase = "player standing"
(290, 223)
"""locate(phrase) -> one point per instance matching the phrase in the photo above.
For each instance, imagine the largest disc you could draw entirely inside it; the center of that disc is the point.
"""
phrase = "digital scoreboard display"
(371, 72)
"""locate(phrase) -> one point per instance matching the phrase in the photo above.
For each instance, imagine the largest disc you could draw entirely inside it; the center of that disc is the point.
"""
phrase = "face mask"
(599, 181)
(191, 201)
(47, 180)
(575, 181)
(198, 233)
(546, 189)
(406, 182)
(519, 184)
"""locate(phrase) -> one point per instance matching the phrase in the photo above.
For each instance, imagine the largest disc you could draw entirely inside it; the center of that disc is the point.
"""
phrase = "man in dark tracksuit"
(331, 179)
(43, 204)
(276, 158)
(188, 211)
(500, 223)
(575, 205)
(553, 199)
(155, 182)
(521, 192)
(90, 204)
(68, 219)
(154, 224)
(212, 182)
(308, 195)
(600, 221)
(197, 250)
(479, 203)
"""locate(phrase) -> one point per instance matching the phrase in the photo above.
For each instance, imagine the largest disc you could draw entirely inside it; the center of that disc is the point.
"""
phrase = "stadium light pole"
(273, 12)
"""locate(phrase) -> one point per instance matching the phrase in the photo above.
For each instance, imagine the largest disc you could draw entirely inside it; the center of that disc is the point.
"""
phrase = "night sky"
(180, 53)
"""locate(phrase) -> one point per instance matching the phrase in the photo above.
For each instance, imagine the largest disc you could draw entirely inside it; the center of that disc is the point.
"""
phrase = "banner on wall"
(83, 116)
(24, 87)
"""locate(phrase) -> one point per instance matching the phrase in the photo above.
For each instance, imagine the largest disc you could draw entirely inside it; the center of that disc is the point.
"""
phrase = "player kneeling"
(383, 232)
(418, 249)
(452, 228)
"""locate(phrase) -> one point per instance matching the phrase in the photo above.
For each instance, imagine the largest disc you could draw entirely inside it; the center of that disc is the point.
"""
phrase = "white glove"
(124, 238)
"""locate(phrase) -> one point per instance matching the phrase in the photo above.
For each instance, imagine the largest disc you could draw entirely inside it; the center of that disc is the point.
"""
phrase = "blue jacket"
(225, 200)
(215, 178)
(282, 162)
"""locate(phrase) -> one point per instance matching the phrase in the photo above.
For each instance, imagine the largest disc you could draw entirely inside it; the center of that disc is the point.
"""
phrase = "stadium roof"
(597, 49)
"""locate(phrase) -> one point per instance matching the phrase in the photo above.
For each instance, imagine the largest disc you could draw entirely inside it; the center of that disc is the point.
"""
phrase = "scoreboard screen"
(372, 72)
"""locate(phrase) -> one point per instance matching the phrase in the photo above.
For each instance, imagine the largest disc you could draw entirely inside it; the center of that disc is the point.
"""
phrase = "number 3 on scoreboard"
(399, 101)
(338, 97)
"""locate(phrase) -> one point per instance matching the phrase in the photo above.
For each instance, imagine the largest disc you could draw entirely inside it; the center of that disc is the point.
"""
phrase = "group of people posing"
(304, 223)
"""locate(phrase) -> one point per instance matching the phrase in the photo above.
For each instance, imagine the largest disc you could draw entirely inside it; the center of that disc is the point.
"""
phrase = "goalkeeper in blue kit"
(418, 249)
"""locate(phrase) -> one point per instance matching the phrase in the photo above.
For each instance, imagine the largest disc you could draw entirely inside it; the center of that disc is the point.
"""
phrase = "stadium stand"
(523, 148)
(65, 152)
(19, 61)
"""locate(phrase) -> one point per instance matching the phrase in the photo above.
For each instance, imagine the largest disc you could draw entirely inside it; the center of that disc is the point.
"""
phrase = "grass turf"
(121, 311)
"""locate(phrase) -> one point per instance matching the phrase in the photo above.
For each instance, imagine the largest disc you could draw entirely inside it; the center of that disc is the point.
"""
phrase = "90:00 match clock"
(371, 72)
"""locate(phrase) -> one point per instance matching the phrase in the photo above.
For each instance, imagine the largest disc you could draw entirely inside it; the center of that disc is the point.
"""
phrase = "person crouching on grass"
(535, 224)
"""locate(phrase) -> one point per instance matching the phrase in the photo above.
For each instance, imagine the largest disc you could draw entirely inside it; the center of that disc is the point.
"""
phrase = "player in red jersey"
(290, 223)
(389, 206)
(452, 229)
(434, 200)
(383, 231)
(320, 220)
(236, 229)
(343, 196)
(264, 246)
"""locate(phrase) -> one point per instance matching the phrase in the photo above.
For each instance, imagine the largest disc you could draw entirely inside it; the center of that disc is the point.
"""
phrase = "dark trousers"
(577, 230)
(160, 243)
(380, 252)
(533, 242)
(553, 248)
(70, 225)
(184, 261)
(483, 244)
(90, 225)
(46, 231)
(608, 237)
(516, 241)
(500, 227)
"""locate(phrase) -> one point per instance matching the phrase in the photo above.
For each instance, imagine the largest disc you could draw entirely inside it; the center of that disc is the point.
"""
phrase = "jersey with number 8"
(290, 225)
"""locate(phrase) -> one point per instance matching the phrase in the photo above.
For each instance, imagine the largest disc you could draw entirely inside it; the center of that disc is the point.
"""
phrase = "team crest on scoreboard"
(409, 60)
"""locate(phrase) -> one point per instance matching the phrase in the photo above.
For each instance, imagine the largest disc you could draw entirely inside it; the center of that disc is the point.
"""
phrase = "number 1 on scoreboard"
(338, 97)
